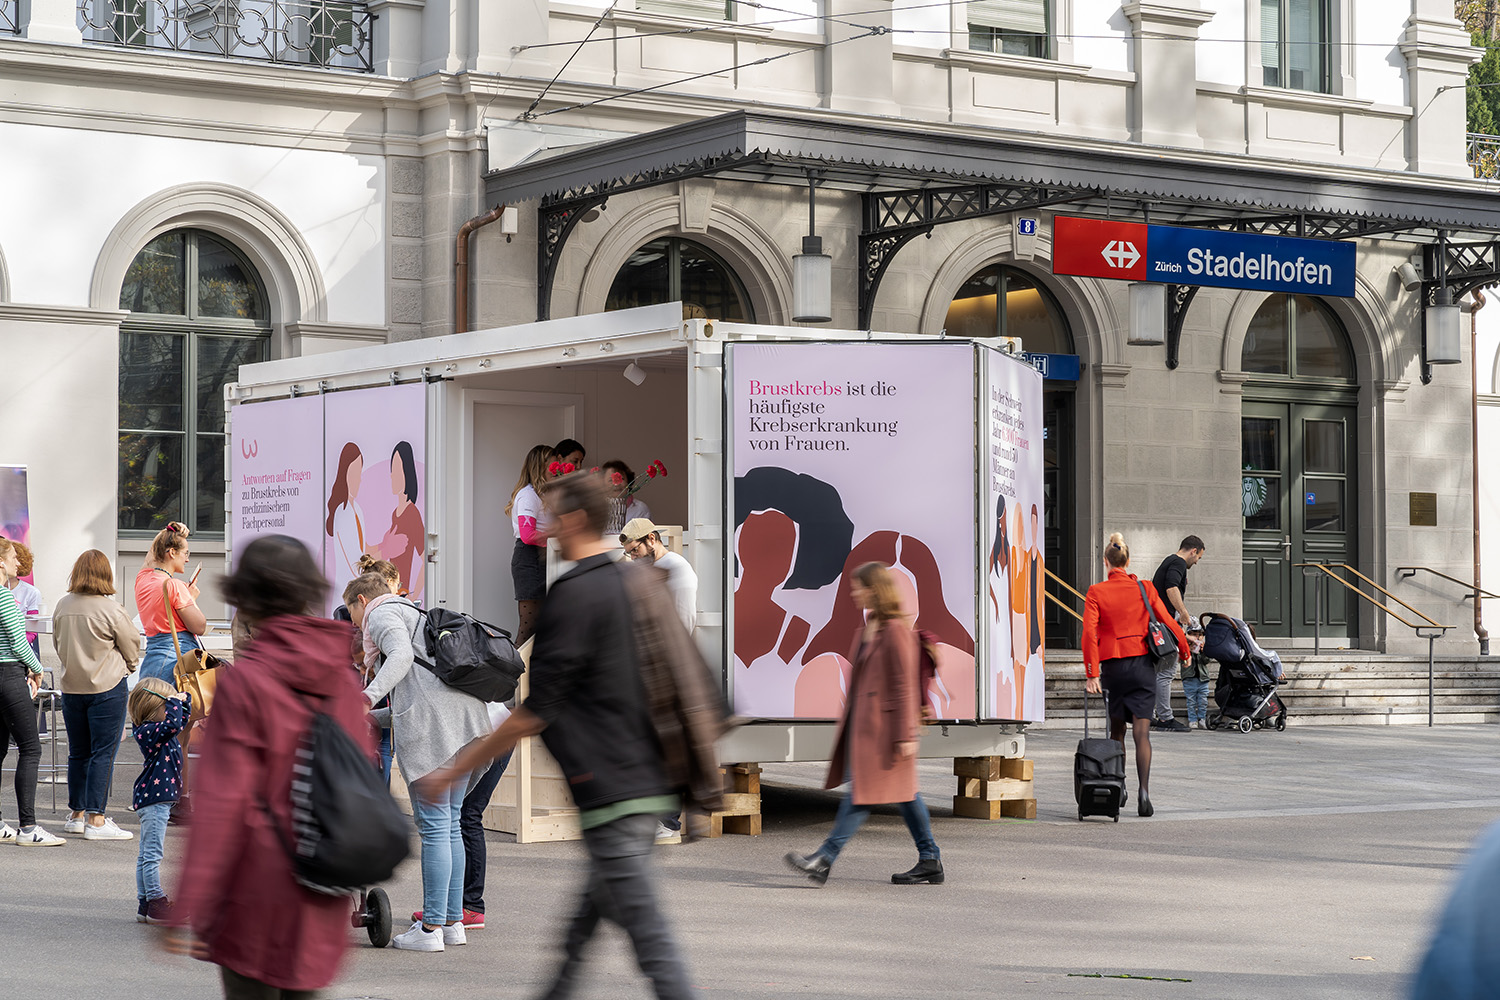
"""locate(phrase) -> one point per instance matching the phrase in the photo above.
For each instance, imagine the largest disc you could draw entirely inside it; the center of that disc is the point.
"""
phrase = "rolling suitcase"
(1098, 773)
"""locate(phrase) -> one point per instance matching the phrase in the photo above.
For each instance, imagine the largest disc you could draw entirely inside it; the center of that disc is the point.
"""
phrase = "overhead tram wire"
(878, 30)
(529, 113)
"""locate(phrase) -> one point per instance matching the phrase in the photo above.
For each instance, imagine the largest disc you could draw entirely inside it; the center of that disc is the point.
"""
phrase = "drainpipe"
(1479, 629)
(461, 267)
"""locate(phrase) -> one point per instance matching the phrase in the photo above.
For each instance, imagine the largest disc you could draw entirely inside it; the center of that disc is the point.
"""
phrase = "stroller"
(1246, 687)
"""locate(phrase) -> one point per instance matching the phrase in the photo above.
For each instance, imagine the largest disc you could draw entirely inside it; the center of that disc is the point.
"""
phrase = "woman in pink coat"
(270, 937)
(876, 747)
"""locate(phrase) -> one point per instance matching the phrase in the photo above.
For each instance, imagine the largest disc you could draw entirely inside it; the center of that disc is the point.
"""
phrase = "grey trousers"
(1166, 672)
(620, 890)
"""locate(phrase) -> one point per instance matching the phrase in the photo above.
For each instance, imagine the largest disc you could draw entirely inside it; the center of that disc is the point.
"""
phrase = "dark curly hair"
(275, 575)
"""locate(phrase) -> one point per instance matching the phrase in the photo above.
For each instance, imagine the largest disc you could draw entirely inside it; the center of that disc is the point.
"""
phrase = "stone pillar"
(51, 21)
(1164, 40)
(860, 75)
(398, 37)
(1438, 56)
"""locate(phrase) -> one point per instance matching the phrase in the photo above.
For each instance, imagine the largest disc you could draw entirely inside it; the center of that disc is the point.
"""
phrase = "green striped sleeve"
(13, 644)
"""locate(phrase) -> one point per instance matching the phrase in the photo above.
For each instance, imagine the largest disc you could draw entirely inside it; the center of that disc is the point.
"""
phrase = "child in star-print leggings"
(158, 712)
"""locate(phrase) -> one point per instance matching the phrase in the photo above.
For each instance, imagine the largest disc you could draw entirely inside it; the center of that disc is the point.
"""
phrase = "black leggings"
(18, 722)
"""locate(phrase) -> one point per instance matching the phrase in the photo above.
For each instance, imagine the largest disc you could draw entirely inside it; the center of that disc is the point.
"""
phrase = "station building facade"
(304, 193)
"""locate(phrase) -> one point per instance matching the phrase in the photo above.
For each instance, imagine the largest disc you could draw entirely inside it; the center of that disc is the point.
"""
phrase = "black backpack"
(347, 831)
(473, 656)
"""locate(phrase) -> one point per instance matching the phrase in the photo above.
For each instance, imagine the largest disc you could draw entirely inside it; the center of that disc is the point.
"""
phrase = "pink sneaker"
(473, 920)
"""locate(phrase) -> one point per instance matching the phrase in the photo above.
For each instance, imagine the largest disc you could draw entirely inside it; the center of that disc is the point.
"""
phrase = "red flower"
(661, 468)
(554, 468)
(617, 479)
(568, 467)
(651, 472)
(594, 469)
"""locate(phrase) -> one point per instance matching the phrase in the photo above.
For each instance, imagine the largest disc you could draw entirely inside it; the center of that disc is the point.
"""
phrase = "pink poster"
(374, 496)
(845, 454)
(1014, 615)
(15, 507)
(276, 472)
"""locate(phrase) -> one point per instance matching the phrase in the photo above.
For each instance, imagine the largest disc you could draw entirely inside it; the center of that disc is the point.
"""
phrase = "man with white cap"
(642, 540)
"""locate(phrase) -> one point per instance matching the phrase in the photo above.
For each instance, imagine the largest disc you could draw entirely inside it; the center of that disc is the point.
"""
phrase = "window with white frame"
(1014, 27)
(1296, 44)
(703, 10)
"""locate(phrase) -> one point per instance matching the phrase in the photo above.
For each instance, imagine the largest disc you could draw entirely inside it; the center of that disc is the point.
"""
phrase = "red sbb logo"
(1098, 248)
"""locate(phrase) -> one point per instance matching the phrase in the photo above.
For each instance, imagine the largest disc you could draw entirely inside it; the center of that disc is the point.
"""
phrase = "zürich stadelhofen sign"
(1182, 255)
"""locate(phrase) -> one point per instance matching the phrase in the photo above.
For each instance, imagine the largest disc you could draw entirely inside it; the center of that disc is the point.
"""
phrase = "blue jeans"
(851, 817)
(438, 823)
(471, 822)
(153, 844)
(1197, 697)
(160, 660)
(95, 723)
(386, 754)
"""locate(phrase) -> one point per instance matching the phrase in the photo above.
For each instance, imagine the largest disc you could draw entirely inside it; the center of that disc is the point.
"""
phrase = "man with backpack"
(622, 701)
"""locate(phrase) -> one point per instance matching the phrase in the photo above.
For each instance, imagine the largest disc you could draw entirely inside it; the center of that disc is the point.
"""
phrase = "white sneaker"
(7, 833)
(75, 826)
(418, 939)
(454, 934)
(106, 831)
(37, 837)
(666, 835)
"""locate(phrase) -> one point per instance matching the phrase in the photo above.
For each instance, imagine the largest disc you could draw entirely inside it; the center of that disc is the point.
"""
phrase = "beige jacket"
(96, 641)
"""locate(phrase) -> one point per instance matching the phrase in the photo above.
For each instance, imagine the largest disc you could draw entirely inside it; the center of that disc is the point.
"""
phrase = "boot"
(814, 866)
(930, 871)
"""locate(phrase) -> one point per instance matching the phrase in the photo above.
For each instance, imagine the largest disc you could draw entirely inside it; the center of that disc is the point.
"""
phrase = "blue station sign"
(1054, 367)
(1182, 255)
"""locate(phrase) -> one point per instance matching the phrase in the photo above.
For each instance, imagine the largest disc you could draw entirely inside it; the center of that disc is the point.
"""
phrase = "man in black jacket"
(1170, 581)
(589, 705)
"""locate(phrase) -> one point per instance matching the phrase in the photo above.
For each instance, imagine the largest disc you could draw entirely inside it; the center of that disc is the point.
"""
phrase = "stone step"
(1314, 685)
(1325, 717)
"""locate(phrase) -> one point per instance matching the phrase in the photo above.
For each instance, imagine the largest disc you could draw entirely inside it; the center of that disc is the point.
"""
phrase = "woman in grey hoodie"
(430, 723)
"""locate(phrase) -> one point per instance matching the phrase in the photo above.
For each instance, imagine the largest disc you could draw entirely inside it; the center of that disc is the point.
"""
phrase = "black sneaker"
(1170, 726)
(814, 866)
(140, 911)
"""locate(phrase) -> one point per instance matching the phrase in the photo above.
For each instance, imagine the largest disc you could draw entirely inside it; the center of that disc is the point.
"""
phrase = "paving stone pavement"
(1308, 864)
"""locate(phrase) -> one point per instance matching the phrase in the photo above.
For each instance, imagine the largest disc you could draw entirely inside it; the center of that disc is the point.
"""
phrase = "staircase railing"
(1057, 600)
(1426, 629)
(1474, 591)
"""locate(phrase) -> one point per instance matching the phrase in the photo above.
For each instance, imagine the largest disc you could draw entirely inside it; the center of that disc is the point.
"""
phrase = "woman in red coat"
(270, 936)
(876, 746)
(1114, 648)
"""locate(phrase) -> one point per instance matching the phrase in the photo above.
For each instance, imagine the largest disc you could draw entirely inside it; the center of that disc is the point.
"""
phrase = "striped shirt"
(13, 645)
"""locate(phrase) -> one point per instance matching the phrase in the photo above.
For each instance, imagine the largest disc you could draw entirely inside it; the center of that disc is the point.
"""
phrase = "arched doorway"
(1033, 315)
(1298, 452)
(677, 270)
(198, 311)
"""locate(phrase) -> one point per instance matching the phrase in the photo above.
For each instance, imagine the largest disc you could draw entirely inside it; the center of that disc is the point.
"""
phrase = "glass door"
(1297, 501)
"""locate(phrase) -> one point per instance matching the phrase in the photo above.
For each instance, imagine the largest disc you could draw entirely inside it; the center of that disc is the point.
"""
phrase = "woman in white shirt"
(634, 506)
(346, 521)
(528, 560)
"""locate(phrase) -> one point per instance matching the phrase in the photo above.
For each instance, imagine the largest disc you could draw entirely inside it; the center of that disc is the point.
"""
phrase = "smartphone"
(194, 581)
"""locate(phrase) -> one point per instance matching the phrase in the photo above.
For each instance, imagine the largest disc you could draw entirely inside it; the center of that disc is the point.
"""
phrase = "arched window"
(1298, 337)
(1030, 311)
(197, 312)
(678, 270)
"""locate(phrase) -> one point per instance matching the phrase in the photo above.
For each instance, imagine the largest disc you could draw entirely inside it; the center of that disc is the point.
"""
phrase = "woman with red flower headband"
(528, 563)
(168, 557)
(619, 477)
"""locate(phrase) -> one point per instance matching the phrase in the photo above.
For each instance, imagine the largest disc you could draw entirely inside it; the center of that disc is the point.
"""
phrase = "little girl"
(159, 713)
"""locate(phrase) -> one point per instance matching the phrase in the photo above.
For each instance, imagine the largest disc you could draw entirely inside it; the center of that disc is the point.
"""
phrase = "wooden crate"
(533, 800)
(994, 787)
(741, 812)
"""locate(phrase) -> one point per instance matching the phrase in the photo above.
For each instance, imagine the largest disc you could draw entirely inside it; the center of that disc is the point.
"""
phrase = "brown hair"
(369, 564)
(876, 578)
(92, 575)
(367, 585)
(148, 701)
(25, 562)
(168, 540)
(275, 575)
(338, 494)
(533, 473)
(583, 491)
(5, 546)
(1117, 553)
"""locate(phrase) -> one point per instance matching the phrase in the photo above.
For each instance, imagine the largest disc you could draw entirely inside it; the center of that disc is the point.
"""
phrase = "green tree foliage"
(1484, 91)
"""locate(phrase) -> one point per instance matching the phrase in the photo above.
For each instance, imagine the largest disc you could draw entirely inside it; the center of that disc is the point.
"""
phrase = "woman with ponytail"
(1115, 653)
(154, 584)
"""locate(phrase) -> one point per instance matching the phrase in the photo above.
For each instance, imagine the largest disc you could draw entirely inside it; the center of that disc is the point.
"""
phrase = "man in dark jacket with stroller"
(594, 683)
(1170, 581)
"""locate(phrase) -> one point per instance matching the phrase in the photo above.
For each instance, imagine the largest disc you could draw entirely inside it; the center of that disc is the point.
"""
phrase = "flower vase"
(616, 522)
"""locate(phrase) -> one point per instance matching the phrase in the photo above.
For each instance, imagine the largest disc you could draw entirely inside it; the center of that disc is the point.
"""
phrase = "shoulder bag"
(197, 670)
(1160, 642)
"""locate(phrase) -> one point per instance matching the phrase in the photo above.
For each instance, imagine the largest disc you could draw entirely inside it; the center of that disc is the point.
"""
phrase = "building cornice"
(1174, 14)
(29, 312)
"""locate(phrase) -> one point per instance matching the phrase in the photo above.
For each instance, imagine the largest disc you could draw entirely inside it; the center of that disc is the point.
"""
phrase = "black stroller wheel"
(378, 917)
(1281, 721)
(1245, 723)
(1213, 721)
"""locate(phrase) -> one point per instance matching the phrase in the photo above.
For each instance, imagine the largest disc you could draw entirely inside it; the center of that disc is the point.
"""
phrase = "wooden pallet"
(741, 812)
(994, 787)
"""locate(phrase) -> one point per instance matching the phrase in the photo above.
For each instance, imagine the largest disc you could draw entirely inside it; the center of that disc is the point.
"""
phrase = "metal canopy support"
(1179, 298)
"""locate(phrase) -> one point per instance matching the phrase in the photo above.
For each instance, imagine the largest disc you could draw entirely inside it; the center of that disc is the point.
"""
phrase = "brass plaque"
(1424, 510)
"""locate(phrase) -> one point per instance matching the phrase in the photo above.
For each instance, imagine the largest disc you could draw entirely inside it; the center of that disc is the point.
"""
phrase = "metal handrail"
(1063, 584)
(1406, 572)
(1434, 631)
(1057, 600)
